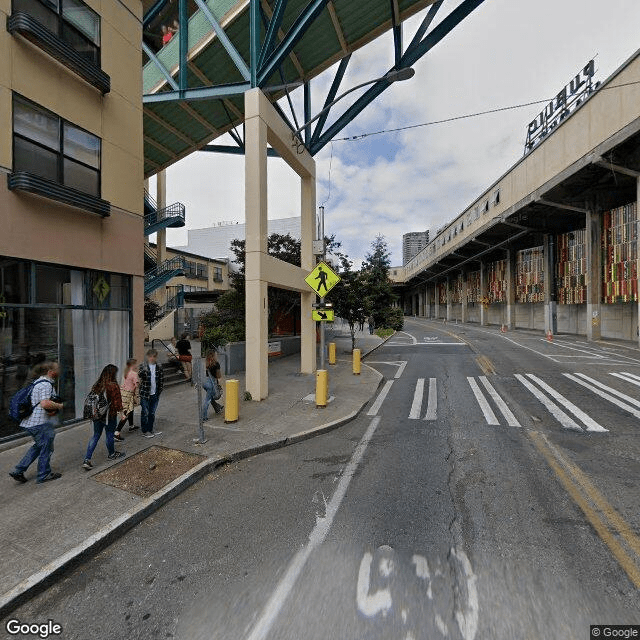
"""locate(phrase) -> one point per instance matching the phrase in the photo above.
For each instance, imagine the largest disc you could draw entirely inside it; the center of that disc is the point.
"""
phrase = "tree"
(377, 285)
(347, 296)
(151, 311)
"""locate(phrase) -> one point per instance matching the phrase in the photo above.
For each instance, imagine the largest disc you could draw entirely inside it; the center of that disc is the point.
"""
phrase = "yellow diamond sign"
(101, 289)
(323, 315)
(322, 279)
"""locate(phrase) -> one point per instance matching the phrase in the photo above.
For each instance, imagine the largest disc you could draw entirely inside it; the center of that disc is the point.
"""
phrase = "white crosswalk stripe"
(607, 396)
(512, 421)
(559, 414)
(489, 416)
(432, 403)
(416, 406)
(627, 377)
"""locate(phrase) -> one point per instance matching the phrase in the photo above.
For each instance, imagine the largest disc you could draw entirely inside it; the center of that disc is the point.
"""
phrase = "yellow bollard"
(332, 353)
(356, 362)
(322, 387)
(232, 401)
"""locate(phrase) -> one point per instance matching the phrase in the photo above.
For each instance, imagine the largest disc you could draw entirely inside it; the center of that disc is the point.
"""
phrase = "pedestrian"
(151, 383)
(212, 385)
(40, 424)
(361, 323)
(372, 324)
(184, 355)
(130, 392)
(167, 34)
(106, 384)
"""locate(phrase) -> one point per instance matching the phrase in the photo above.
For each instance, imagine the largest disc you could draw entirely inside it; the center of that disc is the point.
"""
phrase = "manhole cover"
(146, 472)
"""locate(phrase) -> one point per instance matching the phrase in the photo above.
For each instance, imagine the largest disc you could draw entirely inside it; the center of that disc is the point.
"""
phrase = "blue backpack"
(20, 405)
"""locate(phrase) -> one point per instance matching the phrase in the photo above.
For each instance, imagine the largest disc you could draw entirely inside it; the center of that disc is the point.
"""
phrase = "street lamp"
(395, 75)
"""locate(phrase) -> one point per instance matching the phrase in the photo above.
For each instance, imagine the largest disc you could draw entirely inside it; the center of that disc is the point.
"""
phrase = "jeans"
(109, 429)
(212, 392)
(42, 448)
(149, 406)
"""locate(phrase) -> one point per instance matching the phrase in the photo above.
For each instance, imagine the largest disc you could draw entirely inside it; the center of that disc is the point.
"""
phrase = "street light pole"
(320, 237)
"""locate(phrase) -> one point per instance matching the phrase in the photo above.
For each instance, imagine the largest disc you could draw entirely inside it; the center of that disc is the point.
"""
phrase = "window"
(217, 274)
(48, 146)
(70, 20)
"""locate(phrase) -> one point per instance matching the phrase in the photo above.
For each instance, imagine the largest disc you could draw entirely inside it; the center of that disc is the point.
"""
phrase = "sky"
(507, 52)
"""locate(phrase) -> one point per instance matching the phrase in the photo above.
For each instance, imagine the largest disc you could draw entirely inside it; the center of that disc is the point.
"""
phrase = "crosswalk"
(497, 408)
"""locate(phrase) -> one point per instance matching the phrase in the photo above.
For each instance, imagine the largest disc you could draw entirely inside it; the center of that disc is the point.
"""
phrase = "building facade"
(413, 243)
(71, 205)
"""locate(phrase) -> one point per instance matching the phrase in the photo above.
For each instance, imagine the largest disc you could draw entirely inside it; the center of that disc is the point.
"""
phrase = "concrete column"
(161, 199)
(449, 304)
(436, 300)
(307, 325)
(593, 221)
(550, 312)
(464, 297)
(483, 293)
(420, 303)
(257, 310)
(638, 263)
(427, 302)
(511, 289)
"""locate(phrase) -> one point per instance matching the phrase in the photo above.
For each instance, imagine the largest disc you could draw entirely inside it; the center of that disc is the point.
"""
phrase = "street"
(489, 491)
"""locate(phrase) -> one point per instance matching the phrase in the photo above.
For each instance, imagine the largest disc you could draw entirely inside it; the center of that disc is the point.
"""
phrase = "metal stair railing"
(171, 216)
(168, 269)
(149, 203)
(176, 302)
(150, 254)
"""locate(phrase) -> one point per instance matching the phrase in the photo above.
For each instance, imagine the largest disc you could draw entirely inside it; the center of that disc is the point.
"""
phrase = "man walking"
(40, 424)
(151, 383)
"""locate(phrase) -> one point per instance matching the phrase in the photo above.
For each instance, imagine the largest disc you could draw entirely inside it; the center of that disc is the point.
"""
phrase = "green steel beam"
(201, 93)
(397, 33)
(307, 112)
(153, 12)
(235, 151)
(295, 34)
(272, 30)
(331, 96)
(163, 70)
(426, 23)
(183, 34)
(410, 57)
(254, 39)
(238, 60)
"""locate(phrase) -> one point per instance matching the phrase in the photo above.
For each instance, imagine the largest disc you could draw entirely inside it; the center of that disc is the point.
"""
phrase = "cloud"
(507, 52)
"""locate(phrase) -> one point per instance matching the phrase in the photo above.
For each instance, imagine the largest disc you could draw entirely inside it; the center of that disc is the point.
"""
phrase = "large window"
(46, 145)
(71, 20)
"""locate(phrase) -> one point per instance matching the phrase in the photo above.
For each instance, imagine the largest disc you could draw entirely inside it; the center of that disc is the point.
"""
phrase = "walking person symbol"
(322, 276)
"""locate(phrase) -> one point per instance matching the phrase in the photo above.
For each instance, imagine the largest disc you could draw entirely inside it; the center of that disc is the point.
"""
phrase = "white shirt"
(41, 391)
(152, 369)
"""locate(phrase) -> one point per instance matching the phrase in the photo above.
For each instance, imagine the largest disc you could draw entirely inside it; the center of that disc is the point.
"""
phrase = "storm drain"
(148, 471)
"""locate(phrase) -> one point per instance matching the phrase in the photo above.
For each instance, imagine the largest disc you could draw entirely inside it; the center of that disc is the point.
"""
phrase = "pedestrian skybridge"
(194, 78)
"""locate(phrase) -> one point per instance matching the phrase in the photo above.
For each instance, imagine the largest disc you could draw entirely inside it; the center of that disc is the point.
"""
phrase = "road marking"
(424, 344)
(413, 339)
(432, 404)
(611, 390)
(380, 399)
(592, 352)
(512, 421)
(401, 364)
(489, 416)
(589, 422)
(416, 406)
(624, 376)
(273, 607)
(604, 395)
(370, 604)
(554, 410)
(573, 481)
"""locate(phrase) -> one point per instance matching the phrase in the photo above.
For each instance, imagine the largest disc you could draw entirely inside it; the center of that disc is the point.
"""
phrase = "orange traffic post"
(356, 362)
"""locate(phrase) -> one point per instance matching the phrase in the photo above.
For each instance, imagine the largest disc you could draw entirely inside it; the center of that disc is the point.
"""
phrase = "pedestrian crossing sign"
(323, 315)
(322, 279)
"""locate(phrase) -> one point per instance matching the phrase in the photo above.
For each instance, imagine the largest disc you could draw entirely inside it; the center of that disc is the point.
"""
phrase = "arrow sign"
(322, 279)
(323, 315)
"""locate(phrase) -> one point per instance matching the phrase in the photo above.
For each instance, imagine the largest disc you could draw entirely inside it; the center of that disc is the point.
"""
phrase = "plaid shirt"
(43, 390)
(144, 373)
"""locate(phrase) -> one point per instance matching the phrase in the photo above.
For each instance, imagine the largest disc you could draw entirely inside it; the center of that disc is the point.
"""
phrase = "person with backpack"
(151, 383)
(39, 422)
(212, 385)
(184, 355)
(129, 390)
(105, 413)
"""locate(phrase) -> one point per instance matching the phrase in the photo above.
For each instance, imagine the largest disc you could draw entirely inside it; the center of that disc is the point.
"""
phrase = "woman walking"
(184, 355)
(212, 385)
(106, 384)
(129, 390)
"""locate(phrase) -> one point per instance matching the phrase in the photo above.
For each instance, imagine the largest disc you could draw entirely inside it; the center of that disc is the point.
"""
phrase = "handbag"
(186, 358)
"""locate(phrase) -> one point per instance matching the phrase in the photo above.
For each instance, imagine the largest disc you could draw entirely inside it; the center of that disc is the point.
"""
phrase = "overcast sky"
(506, 52)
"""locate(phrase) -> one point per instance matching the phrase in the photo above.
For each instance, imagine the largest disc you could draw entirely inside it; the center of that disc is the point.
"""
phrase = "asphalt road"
(484, 494)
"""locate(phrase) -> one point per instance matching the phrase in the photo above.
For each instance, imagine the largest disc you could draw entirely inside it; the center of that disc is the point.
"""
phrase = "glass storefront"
(78, 317)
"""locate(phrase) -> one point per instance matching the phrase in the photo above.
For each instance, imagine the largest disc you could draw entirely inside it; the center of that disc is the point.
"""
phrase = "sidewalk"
(47, 527)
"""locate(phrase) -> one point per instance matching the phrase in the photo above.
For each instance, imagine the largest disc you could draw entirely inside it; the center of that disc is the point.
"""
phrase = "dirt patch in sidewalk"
(148, 471)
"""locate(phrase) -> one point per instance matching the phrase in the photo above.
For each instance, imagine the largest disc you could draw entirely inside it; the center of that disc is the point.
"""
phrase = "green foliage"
(151, 310)
(384, 333)
(348, 297)
(395, 319)
(378, 289)
(225, 323)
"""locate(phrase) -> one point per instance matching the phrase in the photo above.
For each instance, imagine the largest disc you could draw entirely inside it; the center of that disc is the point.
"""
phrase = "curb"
(108, 534)
(379, 345)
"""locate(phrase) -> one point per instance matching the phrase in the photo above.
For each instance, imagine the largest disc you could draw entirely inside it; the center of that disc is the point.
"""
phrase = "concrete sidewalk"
(46, 528)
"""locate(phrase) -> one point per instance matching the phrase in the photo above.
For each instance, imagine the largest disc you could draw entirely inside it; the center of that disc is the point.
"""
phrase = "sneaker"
(18, 477)
(51, 476)
(157, 433)
(115, 455)
(118, 437)
(135, 426)
(148, 434)
(87, 464)
(219, 408)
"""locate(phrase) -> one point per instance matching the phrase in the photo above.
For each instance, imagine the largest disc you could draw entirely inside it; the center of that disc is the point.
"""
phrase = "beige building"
(71, 205)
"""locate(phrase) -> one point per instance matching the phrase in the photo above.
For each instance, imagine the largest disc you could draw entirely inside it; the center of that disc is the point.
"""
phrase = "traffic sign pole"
(321, 237)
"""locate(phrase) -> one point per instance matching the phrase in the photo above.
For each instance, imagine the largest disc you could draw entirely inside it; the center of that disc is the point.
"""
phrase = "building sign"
(570, 96)
(275, 348)
(101, 289)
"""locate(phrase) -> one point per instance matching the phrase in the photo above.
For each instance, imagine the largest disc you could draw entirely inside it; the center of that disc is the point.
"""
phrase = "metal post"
(198, 374)
(320, 236)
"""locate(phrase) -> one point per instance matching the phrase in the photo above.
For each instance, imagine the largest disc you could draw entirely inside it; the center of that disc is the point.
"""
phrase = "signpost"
(199, 374)
(323, 315)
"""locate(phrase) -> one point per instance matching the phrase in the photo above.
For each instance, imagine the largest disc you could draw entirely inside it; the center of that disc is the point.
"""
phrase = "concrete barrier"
(235, 352)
